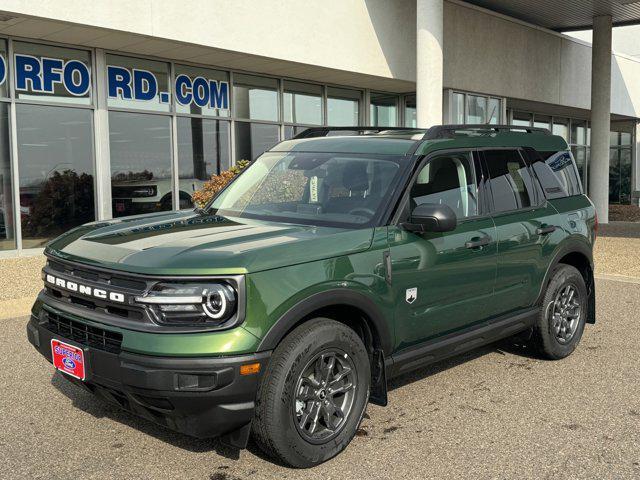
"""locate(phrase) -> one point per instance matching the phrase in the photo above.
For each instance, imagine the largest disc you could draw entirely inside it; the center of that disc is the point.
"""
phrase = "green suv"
(335, 261)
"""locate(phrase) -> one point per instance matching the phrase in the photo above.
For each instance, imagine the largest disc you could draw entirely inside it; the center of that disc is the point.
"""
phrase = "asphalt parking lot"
(499, 412)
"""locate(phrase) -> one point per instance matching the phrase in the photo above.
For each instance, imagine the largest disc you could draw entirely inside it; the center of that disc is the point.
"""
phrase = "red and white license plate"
(68, 359)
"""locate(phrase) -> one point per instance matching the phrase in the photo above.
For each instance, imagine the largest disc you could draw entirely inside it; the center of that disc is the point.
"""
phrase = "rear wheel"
(313, 394)
(562, 317)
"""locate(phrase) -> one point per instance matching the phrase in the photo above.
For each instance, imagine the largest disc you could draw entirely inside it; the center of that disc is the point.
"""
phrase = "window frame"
(421, 162)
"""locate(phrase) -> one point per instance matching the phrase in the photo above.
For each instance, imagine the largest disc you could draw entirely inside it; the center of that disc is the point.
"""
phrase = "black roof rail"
(449, 131)
(325, 131)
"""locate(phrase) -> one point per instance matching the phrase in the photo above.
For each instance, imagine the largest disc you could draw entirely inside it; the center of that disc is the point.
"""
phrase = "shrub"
(217, 182)
(64, 201)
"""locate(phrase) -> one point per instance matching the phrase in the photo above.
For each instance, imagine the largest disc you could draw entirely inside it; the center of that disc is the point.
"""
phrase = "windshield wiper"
(201, 210)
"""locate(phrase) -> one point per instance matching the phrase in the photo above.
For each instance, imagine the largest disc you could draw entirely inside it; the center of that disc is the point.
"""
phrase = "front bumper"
(200, 396)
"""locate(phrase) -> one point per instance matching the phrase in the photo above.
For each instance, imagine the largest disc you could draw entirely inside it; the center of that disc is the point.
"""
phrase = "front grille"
(114, 279)
(129, 286)
(82, 333)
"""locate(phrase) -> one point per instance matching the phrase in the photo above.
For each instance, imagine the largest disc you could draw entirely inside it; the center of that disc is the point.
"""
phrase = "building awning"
(565, 15)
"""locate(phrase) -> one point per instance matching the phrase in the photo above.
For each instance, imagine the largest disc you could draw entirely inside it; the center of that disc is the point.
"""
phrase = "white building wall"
(490, 53)
(373, 37)
(483, 51)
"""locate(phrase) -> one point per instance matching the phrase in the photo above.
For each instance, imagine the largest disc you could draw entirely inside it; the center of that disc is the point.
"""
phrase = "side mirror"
(431, 217)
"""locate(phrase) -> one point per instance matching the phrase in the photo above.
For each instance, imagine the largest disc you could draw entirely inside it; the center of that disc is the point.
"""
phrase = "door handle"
(478, 242)
(545, 230)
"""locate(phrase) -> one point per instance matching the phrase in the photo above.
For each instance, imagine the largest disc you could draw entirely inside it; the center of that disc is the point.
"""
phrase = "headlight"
(191, 303)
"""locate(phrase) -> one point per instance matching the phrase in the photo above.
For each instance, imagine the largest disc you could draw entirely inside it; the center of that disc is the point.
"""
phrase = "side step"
(460, 342)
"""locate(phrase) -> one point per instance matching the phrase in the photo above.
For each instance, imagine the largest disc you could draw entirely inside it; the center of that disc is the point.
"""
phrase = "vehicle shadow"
(100, 408)
(511, 346)
(85, 401)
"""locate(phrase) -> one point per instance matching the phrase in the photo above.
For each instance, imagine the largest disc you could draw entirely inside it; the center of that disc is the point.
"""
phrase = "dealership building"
(111, 107)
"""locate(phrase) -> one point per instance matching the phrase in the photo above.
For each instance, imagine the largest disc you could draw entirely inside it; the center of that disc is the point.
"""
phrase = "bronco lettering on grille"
(84, 289)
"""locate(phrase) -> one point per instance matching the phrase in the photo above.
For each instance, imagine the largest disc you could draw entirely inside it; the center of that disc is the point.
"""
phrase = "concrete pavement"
(499, 412)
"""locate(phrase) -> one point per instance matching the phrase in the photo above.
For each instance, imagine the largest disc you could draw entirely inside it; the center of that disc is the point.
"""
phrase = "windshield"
(330, 189)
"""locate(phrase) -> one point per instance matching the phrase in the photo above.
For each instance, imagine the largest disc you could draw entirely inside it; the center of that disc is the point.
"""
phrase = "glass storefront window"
(55, 147)
(495, 111)
(542, 121)
(614, 175)
(252, 139)
(343, 107)
(302, 103)
(522, 119)
(410, 117)
(138, 83)
(620, 163)
(476, 109)
(561, 127)
(625, 175)
(580, 155)
(457, 108)
(201, 91)
(4, 73)
(578, 132)
(383, 110)
(255, 98)
(7, 226)
(140, 146)
(203, 150)
(45, 72)
(614, 139)
(291, 131)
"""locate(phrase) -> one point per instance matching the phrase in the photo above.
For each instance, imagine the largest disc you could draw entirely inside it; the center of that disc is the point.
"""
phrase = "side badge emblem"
(412, 294)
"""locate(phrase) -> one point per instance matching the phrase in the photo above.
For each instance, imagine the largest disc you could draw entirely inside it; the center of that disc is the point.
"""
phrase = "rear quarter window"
(557, 173)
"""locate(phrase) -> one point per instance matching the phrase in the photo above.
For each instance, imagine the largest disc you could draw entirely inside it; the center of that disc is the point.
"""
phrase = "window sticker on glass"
(313, 189)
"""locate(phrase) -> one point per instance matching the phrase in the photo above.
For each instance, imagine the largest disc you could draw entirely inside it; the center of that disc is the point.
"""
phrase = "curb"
(17, 307)
(613, 277)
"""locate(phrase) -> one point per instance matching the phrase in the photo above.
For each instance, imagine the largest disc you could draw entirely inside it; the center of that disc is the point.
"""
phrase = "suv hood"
(187, 243)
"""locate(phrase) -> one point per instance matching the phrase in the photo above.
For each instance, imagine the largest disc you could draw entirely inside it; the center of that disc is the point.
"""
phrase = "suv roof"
(403, 141)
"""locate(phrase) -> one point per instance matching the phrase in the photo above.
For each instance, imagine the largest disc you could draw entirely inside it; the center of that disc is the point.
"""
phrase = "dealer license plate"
(68, 359)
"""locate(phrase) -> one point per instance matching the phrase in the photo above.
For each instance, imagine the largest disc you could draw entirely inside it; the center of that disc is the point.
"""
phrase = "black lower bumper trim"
(201, 397)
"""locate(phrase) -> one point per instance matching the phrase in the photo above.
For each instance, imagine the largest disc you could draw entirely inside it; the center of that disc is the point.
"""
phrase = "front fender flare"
(329, 298)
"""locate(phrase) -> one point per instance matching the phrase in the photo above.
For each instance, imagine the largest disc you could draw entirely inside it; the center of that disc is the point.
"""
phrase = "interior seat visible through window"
(447, 180)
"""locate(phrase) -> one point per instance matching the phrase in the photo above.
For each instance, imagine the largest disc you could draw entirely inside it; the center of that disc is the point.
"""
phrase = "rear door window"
(557, 173)
(510, 180)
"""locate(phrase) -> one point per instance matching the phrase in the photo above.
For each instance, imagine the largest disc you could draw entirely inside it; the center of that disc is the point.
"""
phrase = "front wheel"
(563, 314)
(313, 394)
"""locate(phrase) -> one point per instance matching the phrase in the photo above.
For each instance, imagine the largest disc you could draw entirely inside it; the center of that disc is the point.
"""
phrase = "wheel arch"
(352, 308)
(578, 254)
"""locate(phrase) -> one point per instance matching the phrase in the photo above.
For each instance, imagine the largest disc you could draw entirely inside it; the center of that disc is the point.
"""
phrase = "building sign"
(3, 70)
(72, 77)
(143, 86)
(134, 84)
(205, 93)
(42, 75)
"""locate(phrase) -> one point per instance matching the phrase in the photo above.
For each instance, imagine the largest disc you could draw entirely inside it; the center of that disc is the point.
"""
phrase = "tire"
(282, 423)
(555, 334)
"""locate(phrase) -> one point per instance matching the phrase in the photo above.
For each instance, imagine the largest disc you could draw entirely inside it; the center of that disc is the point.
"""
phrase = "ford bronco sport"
(335, 261)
